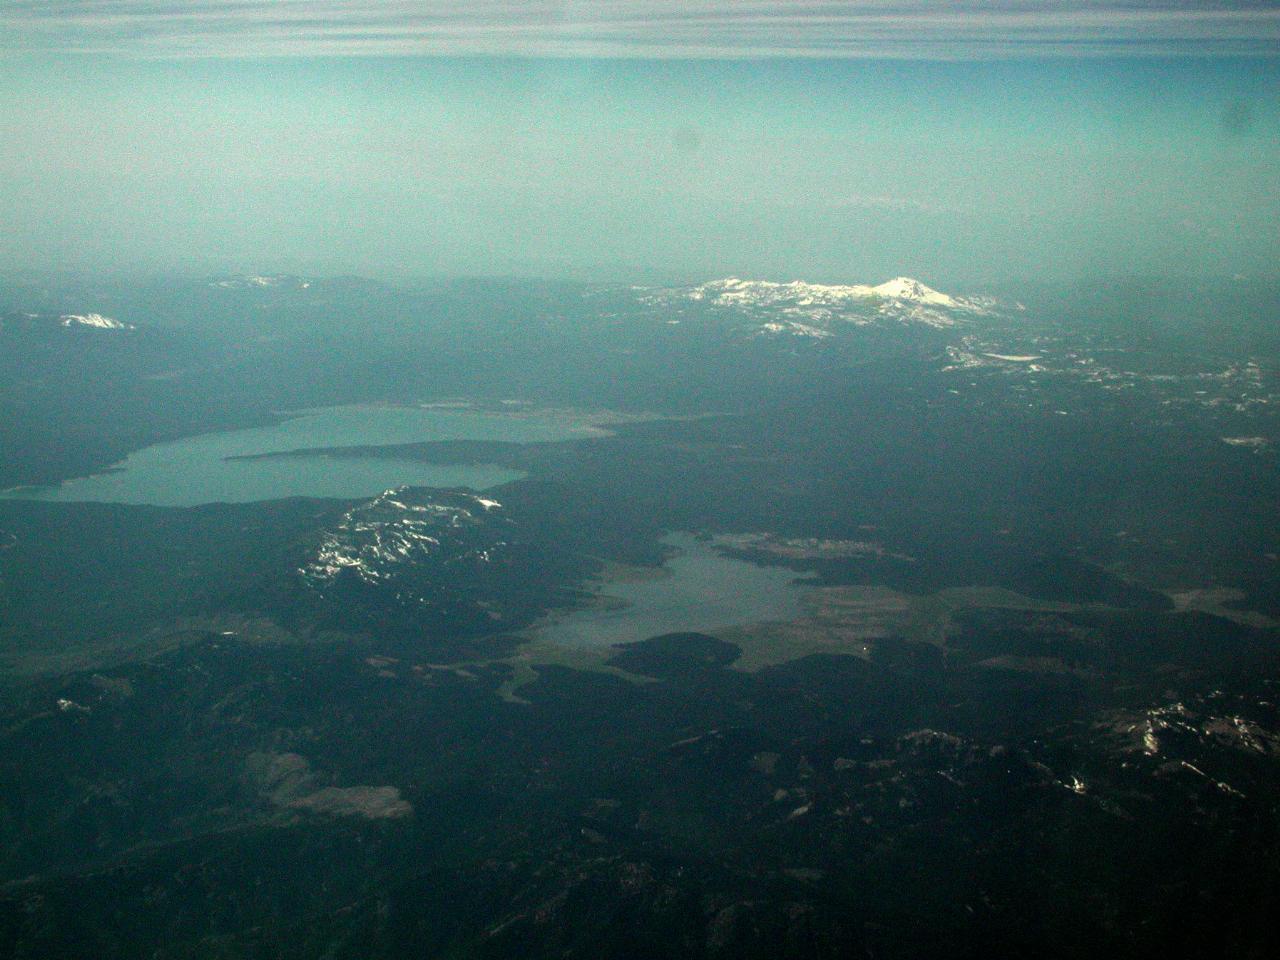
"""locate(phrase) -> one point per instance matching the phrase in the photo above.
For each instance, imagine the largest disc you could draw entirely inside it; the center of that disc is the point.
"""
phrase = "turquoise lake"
(195, 470)
(704, 592)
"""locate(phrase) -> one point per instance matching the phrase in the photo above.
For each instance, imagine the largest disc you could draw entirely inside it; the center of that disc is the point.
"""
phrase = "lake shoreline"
(340, 452)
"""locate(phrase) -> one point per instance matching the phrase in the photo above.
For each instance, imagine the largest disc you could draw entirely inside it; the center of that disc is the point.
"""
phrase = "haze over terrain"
(970, 143)
(636, 479)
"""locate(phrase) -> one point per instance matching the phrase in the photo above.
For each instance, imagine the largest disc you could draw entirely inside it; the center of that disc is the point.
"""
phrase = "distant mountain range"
(281, 281)
(819, 310)
(35, 322)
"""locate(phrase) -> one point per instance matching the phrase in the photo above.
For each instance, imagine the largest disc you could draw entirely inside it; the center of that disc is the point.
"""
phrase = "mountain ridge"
(818, 311)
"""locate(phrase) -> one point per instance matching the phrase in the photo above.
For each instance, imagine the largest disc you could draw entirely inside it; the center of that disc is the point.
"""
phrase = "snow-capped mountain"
(95, 320)
(820, 310)
(735, 291)
(906, 288)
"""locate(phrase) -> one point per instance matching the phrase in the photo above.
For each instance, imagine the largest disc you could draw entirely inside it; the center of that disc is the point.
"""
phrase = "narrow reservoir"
(198, 469)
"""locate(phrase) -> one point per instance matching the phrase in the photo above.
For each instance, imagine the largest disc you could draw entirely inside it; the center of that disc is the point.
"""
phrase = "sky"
(967, 144)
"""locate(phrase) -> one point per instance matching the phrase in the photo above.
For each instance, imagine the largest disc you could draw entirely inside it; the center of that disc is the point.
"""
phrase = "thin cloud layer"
(924, 29)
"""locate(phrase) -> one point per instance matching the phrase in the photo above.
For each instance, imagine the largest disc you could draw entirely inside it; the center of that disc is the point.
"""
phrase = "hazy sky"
(963, 143)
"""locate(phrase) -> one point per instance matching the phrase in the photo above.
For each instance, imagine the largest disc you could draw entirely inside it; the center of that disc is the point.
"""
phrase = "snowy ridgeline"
(404, 526)
(95, 321)
(818, 310)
